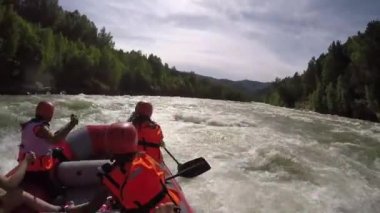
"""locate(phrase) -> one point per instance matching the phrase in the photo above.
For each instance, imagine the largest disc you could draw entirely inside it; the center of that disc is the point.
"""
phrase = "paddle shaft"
(172, 156)
(179, 173)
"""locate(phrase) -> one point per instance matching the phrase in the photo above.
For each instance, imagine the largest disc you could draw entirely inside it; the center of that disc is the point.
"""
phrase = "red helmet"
(45, 110)
(144, 108)
(121, 138)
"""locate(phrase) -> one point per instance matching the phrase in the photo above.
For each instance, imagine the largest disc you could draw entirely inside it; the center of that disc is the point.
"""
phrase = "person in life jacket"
(12, 198)
(150, 136)
(36, 137)
(134, 179)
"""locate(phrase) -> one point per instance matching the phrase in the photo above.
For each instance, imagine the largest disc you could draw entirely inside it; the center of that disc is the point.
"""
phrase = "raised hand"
(30, 157)
(74, 119)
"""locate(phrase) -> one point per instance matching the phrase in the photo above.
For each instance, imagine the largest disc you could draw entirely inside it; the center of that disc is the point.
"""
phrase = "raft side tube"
(79, 173)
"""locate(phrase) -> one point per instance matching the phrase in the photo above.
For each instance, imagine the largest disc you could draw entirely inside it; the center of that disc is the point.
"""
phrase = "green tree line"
(344, 81)
(42, 44)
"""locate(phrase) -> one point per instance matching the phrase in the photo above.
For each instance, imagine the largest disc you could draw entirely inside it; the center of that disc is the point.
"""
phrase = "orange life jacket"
(138, 186)
(42, 162)
(150, 139)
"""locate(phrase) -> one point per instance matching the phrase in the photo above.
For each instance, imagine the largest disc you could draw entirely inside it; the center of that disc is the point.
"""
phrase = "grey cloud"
(297, 35)
(292, 30)
(349, 7)
(190, 21)
(115, 13)
(124, 35)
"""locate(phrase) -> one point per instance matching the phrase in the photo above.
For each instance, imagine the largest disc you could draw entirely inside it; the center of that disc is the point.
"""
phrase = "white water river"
(263, 158)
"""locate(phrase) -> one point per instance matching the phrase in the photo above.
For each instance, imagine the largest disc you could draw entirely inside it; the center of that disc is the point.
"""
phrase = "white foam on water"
(263, 158)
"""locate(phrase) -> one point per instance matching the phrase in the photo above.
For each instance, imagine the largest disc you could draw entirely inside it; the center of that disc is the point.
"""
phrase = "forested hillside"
(344, 81)
(43, 47)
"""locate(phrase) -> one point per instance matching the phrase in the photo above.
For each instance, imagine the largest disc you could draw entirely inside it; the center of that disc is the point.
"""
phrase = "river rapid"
(263, 158)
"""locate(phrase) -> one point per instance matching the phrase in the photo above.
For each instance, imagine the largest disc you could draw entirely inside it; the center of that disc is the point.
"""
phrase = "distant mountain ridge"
(253, 90)
(247, 85)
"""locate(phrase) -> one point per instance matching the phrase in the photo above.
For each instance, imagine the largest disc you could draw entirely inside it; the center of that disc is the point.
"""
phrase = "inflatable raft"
(84, 148)
(80, 182)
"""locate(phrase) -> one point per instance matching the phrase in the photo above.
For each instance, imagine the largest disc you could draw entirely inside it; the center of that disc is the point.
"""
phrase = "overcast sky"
(233, 39)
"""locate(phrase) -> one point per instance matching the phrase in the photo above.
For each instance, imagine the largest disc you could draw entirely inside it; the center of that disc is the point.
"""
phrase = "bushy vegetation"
(41, 45)
(344, 81)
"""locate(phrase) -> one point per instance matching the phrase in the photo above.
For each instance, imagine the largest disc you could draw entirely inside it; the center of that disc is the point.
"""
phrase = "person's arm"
(3, 182)
(15, 179)
(59, 135)
(38, 204)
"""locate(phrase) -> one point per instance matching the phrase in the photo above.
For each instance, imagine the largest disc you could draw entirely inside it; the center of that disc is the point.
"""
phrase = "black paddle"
(191, 168)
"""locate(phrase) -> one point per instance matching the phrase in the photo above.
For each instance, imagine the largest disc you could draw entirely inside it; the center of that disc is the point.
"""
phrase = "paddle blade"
(193, 168)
